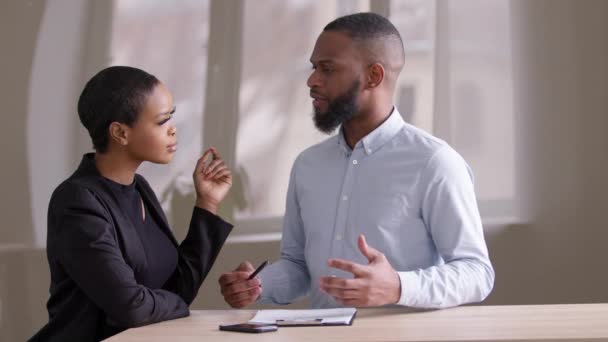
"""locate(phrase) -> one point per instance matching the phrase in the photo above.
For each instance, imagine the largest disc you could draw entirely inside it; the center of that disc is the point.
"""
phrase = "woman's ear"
(119, 133)
(375, 75)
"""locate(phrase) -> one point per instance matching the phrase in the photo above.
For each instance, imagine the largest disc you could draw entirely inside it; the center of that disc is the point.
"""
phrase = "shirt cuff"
(265, 297)
(410, 288)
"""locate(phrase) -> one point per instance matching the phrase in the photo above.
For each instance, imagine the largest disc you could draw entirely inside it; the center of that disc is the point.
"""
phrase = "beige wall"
(561, 83)
(19, 25)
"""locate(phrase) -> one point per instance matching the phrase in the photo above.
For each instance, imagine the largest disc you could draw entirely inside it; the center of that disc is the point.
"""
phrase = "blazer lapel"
(132, 247)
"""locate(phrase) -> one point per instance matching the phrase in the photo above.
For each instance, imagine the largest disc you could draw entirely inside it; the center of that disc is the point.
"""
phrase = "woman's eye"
(164, 121)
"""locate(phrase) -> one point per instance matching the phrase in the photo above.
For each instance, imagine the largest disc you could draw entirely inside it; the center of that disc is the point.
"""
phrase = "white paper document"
(339, 316)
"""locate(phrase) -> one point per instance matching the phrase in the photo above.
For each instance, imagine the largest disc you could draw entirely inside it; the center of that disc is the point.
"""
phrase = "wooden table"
(573, 322)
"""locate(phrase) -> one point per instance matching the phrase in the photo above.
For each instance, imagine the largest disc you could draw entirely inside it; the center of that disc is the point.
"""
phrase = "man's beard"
(340, 110)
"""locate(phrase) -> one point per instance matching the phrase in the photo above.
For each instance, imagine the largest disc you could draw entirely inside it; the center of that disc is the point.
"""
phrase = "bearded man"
(381, 213)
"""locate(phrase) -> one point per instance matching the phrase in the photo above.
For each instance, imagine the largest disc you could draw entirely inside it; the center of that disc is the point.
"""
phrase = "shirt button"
(369, 151)
(344, 198)
(338, 237)
(355, 162)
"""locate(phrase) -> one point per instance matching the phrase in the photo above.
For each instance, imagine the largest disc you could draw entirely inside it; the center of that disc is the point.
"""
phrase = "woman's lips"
(172, 147)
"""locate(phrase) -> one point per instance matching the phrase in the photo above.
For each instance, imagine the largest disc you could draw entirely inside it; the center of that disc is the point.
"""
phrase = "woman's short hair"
(116, 93)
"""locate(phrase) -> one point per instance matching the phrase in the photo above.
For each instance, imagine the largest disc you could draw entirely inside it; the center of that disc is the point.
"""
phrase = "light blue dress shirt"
(410, 194)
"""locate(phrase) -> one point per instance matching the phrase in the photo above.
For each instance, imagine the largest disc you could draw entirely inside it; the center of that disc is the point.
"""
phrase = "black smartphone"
(250, 327)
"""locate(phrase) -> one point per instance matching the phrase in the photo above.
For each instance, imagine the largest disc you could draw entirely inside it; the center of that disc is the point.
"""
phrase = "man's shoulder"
(419, 141)
(435, 154)
(319, 150)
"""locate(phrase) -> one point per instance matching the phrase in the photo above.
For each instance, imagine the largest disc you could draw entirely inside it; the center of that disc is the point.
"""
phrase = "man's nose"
(313, 80)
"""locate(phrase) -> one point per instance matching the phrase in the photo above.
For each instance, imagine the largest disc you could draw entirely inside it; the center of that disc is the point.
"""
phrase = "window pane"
(457, 84)
(168, 39)
(415, 20)
(480, 101)
(469, 57)
(275, 122)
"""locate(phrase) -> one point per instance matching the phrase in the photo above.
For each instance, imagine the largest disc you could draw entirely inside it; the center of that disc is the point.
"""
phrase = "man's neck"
(364, 123)
(117, 167)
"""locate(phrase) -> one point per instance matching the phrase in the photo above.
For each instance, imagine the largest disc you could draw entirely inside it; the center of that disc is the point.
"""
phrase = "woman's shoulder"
(79, 191)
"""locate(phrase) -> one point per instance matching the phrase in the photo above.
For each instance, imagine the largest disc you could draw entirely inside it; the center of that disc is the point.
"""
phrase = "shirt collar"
(378, 137)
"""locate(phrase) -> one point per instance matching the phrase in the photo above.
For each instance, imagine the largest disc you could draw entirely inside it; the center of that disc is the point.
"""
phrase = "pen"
(261, 267)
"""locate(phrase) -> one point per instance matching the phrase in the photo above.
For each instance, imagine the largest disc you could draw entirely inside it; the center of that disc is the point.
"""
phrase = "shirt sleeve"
(89, 254)
(288, 279)
(450, 213)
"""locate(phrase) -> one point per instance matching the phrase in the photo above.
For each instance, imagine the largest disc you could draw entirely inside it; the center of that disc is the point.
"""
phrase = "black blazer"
(93, 250)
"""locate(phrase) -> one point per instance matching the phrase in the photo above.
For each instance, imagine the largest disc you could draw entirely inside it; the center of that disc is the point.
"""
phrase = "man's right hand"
(239, 292)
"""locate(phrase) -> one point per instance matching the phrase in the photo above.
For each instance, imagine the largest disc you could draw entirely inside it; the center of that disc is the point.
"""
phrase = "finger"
(369, 252)
(200, 164)
(243, 303)
(348, 266)
(339, 283)
(216, 154)
(224, 175)
(239, 287)
(341, 295)
(245, 266)
(231, 277)
(251, 294)
(213, 166)
(214, 174)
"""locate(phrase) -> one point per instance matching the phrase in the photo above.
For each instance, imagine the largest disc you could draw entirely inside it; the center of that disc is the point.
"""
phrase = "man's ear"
(119, 133)
(375, 75)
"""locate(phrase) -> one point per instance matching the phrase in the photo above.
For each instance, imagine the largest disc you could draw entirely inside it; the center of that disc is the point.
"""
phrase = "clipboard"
(306, 318)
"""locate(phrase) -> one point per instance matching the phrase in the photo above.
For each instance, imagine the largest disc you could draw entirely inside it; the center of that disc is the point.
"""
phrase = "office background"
(518, 87)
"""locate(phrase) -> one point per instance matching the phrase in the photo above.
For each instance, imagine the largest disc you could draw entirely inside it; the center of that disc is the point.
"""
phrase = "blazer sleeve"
(89, 253)
(197, 253)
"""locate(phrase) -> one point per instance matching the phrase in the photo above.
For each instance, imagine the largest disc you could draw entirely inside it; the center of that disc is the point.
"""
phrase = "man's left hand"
(374, 284)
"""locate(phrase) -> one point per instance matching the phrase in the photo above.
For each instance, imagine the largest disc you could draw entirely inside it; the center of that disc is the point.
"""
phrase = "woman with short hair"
(114, 261)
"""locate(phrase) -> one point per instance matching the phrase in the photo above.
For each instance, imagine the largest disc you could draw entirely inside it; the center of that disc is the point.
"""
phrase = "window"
(415, 20)
(474, 98)
(456, 84)
(275, 122)
(169, 40)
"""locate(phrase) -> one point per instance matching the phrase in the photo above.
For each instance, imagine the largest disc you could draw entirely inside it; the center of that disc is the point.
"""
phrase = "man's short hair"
(364, 26)
(378, 39)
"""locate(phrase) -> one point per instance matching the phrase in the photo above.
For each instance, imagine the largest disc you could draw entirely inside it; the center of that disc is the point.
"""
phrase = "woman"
(114, 262)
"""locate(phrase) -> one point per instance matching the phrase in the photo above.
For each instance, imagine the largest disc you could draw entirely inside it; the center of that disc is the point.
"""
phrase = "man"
(380, 180)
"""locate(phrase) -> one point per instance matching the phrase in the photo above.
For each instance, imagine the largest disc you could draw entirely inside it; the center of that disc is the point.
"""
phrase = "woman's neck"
(117, 167)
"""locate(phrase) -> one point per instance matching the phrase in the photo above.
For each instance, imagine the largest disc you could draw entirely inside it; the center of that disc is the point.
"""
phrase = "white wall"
(54, 84)
(561, 82)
